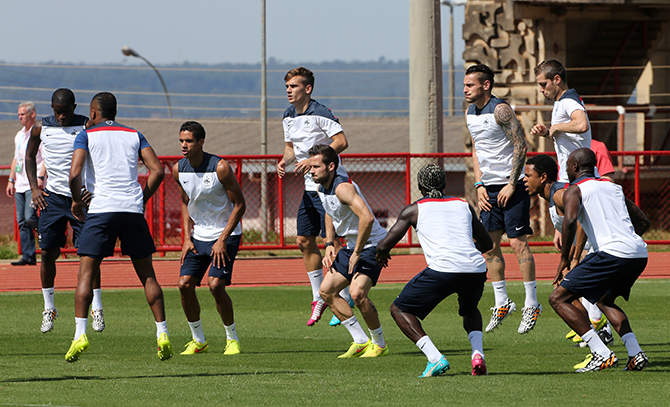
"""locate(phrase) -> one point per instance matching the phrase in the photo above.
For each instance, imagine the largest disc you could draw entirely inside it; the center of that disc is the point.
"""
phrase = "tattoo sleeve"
(506, 118)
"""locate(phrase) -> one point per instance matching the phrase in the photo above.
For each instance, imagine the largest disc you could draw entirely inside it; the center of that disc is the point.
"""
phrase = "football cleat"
(76, 348)
(599, 363)
(374, 351)
(606, 336)
(479, 366)
(317, 310)
(194, 347)
(600, 324)
(529, 318)
(570, 334)
(164, 347)
(499, 314)
(232, 347)
(98, 322)
(434, 369)
(584, 362)
(637, 362)
(356, 350)
(48, 316)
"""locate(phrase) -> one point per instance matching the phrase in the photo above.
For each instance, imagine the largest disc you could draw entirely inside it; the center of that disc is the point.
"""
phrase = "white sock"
(231, 332)
(161, 327)
(315, 278)
(594, 312)
(595, 343)
(97, 299)
(80, 325)
(531, 294)
(345, 294)
(426, 345)
(48, 294)
(196, 331)
(356, 331)
(476, 339)
(500, 292)
(630, 342)
(378, 337)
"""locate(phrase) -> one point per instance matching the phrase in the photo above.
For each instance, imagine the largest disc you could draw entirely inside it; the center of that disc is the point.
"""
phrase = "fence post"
(280, 209)
(408, 189)
(161, 217)
(620, 131)
(637, 180)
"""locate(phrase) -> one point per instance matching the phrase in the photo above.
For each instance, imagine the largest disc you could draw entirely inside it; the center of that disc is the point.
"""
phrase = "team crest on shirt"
(306, 123)
(208, 180)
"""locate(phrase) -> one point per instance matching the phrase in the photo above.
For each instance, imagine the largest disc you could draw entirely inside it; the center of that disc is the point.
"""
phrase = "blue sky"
(211, 31)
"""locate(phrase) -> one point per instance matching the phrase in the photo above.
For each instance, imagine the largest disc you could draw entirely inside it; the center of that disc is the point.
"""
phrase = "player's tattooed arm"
(506, 118)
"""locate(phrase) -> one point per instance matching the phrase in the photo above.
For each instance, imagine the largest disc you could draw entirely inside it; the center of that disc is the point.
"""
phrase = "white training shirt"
(208, 203)
(566, 143)
(317, 125)
(605, 219)
(495, 152)
(345, 220)
(21, 183)
(111, 167)
(57, 148)
(444, 229)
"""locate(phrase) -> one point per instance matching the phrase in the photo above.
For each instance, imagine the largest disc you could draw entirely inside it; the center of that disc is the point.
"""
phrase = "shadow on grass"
(196, 375)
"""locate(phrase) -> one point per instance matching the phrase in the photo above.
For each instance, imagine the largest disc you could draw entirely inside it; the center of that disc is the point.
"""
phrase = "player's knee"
(185, 285)
(519, 246)
(555, 299)
(306, 243)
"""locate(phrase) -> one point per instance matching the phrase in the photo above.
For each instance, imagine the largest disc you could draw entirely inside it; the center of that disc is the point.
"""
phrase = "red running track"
(119, 273)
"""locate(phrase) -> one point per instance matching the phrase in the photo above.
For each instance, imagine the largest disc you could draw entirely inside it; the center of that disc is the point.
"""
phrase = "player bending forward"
(445, 227)
(348, 215)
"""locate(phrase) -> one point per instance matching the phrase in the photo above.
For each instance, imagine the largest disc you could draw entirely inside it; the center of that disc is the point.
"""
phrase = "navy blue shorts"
(196, 264)
(513, 219)
(601, 273)
(367, 264)
(311, 215)
(52, 225)
(102, 229)
(428, 288)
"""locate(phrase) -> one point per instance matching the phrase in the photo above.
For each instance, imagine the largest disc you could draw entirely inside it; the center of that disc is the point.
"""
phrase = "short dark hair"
(484, 73)
(195, 128)
(327, 153)
(107, 104)
(544, 164)
(63, 96)
(551, 68)
(306, 74)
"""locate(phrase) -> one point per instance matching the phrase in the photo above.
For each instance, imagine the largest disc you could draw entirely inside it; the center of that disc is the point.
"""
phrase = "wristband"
(12, 180)
(479, 184)
(329, 244)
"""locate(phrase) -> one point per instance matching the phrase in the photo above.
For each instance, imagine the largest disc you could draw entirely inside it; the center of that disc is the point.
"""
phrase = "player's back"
(444, 228)
(112, 168)
(605, 219)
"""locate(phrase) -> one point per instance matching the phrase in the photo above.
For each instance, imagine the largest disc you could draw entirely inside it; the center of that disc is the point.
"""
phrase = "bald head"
(581, 162)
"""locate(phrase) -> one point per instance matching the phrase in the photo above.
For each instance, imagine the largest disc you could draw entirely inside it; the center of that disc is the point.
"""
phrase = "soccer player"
(56, 136)
(348, 215)
(212, 205)
(308, 123)
(613, 226)
(110, 151)
(541, 175)
(570, 128)
(446, 227)
(498, 157)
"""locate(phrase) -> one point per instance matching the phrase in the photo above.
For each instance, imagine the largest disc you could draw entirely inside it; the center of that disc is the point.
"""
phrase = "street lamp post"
(129, 52)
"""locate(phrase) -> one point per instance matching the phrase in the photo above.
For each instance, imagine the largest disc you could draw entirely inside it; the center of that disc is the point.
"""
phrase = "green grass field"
(286, 363)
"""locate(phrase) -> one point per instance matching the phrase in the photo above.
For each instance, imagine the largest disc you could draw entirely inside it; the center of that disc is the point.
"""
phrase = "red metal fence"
(388, 184)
